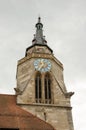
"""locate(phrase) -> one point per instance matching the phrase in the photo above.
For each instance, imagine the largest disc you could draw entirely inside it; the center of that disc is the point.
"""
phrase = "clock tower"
(40, 84)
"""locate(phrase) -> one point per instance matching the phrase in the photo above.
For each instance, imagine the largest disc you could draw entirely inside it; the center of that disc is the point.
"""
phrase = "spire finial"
(39, 19)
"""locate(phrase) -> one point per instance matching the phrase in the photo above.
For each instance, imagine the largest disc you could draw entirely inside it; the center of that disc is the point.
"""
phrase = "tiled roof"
(12, 116)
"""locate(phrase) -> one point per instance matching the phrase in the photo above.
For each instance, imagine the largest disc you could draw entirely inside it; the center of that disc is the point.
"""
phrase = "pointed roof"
(38, 37)
(13, 116)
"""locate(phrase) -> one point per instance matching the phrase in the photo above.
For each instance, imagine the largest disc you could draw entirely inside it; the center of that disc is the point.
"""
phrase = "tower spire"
(38, 37)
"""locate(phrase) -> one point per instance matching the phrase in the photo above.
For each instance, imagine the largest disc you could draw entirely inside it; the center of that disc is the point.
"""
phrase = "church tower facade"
(40, 84)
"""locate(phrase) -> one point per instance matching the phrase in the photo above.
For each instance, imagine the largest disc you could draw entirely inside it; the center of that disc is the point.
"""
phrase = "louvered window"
(47, 85)
(38, 89)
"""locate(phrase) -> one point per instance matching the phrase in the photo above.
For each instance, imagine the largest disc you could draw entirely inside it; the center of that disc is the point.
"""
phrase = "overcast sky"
(65, 30)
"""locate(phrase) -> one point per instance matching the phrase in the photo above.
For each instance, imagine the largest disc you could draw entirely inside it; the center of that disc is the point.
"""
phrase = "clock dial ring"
(42, 65)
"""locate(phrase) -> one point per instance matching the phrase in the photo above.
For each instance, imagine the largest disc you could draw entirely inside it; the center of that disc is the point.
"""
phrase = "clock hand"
(41, 65)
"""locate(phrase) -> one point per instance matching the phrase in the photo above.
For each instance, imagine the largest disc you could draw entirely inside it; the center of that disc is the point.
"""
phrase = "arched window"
(47, 84)
(38, 88)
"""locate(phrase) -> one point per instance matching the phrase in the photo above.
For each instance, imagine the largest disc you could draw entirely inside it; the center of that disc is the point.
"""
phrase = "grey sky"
(65, 30)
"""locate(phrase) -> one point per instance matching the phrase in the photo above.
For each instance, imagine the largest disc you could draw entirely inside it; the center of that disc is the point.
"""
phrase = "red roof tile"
(12, 116)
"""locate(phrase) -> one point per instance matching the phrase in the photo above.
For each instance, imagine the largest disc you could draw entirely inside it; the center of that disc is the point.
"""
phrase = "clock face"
(42, 65)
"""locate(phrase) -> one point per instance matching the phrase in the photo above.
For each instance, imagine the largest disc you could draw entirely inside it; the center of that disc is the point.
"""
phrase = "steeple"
(38, 37)
(40, 84)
